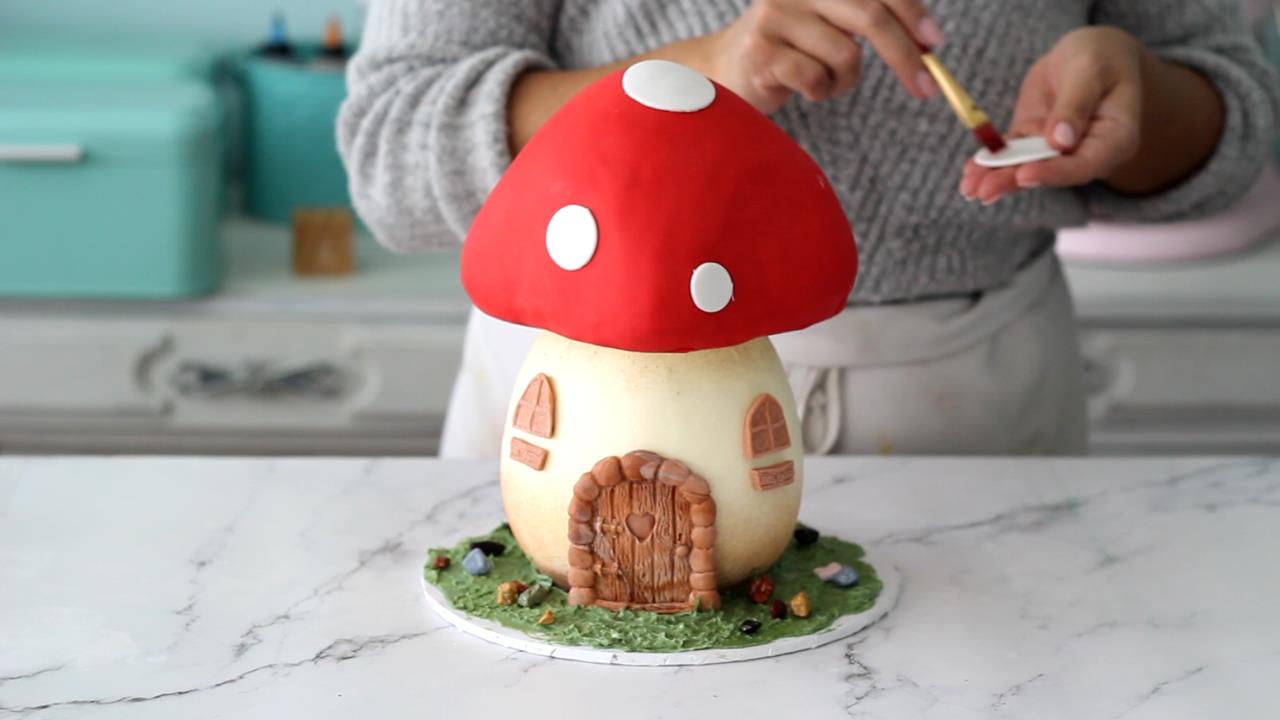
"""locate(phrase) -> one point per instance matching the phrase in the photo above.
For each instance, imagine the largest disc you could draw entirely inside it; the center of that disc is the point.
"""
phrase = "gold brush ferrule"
(965, 108)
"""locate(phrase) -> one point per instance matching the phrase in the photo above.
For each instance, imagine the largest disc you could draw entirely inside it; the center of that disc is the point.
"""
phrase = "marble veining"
(279, 588)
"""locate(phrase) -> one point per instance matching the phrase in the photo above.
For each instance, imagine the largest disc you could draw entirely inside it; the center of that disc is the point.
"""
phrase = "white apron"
(996, 374)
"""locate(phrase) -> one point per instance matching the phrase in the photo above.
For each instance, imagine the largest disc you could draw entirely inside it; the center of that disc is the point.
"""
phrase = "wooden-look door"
(643, 544)
(642, 533)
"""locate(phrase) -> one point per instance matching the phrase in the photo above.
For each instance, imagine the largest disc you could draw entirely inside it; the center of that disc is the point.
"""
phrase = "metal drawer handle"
(1097, 376)
(259, 380)
(41, 154)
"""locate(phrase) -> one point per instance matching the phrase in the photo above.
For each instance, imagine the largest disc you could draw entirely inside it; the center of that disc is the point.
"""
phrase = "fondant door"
(643, 544)
(642, 536)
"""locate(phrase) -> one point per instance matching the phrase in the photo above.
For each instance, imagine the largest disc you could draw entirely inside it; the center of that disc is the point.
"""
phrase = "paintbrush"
(962, 103)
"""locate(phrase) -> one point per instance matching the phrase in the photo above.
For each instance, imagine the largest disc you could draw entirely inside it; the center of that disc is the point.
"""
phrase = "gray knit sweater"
(424, 138)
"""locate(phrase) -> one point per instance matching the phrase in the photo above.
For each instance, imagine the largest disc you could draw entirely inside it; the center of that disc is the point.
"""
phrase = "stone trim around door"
(584, 522)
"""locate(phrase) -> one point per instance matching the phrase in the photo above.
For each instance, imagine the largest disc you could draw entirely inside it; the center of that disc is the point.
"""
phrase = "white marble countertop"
(258, 588)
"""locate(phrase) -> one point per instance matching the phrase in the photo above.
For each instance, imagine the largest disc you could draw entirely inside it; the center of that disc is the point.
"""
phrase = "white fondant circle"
(1019, 151)
(572, 236)
(711, 287)
(843, 627)
(664, 85)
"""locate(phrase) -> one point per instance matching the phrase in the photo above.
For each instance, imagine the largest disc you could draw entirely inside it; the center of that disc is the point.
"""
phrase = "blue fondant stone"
(846, 577)
(477, 563)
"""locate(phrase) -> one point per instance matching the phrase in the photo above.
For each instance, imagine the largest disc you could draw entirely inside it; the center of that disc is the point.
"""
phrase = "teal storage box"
(108, 188)
(82, 56)
(290, 137)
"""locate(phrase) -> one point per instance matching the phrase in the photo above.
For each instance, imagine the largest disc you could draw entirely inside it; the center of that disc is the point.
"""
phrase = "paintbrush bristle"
(989, 137)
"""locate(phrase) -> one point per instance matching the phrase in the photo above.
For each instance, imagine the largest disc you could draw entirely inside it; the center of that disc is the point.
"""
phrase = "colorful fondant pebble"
(800, 605)
(828, 571)
(548, 618)
(477, 563)
(508, 592)
(489, 547)
(847, 577)
(805, 535)
(441, 562)
(777, 610)
(533, 595)
(761, 589)
(749, 626)
(837, 574)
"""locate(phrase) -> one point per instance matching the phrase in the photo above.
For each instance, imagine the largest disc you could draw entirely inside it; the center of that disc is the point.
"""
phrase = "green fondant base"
(651, 632)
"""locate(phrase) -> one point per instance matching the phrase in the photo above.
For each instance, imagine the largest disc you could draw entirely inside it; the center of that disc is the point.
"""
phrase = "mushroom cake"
(658, 229)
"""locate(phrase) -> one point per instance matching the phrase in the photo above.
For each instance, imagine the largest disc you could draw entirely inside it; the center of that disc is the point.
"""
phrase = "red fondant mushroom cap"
(659, 212)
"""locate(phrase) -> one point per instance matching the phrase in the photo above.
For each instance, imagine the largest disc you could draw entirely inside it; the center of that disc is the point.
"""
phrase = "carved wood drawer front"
(528, 453)
(773, 476)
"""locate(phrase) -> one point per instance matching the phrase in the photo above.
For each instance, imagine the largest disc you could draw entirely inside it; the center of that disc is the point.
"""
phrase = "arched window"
(765, 429)
(536, 409)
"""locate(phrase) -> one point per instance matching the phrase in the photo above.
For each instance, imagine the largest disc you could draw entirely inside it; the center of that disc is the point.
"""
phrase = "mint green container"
(83, 56)
(290, 134)
(108, 188)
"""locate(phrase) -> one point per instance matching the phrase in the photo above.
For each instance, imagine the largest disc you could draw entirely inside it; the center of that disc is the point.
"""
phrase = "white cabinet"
(273, 364)
(223, 386)
(1183, 358)
(1189, 389)
(50, 368)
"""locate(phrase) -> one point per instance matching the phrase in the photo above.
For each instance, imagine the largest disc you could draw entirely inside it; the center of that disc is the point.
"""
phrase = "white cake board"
(842, 628)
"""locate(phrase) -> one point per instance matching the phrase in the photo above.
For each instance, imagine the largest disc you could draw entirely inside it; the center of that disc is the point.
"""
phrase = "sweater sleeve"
(1208, 36)
(423, 131)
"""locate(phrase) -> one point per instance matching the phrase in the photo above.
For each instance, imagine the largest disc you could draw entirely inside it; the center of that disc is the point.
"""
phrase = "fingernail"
(1029, 184)
(926, 85)
(1064, 135)
(930, 32)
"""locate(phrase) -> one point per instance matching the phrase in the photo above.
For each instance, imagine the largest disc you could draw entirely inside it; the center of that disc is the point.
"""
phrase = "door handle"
(46, 154)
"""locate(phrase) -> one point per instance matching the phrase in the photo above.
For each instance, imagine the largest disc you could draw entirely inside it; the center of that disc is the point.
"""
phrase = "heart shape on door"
(641, 525)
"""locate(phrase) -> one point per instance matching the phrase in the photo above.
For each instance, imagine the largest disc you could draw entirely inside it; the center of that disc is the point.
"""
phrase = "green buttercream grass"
(652, 632)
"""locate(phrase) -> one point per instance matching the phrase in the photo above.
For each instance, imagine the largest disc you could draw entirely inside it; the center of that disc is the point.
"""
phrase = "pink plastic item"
(1242, 225)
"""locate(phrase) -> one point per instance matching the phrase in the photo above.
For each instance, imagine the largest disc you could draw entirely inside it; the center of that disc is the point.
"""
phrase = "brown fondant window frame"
(536, 409)
(765, 428)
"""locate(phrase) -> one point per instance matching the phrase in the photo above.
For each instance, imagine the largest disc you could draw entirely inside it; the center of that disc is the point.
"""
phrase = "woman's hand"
(1085, 97)
(1120, 114)
(812, 47)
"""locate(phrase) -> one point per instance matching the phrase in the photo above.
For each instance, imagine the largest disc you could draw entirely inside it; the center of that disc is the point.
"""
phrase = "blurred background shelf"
(1183, 357)
(95, 376)
(1180, 358)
